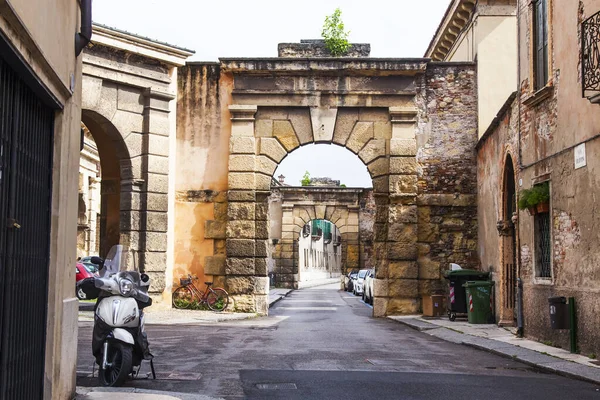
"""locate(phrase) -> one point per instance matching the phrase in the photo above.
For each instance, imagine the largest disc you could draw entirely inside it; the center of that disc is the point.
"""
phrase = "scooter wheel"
(120, 358)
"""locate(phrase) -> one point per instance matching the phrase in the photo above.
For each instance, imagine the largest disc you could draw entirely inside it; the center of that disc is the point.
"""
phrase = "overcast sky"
(236, 28)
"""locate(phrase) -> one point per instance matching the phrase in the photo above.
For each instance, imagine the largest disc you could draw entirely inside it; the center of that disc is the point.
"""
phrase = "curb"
(540, 367)
(271, 303)
(82, 393)
(423, 327)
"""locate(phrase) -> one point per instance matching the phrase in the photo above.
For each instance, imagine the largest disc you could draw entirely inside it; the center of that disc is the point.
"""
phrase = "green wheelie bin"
(480, 309)
(457, 303)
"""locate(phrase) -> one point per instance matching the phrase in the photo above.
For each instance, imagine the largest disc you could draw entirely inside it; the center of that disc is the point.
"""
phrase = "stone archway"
(383, 138)
(300, 206)
(115, 166)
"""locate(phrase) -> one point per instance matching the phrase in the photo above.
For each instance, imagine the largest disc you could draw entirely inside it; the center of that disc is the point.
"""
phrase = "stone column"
(247, 225)
(288, 275)
(144, 192)
(401, 282)
(350, 231)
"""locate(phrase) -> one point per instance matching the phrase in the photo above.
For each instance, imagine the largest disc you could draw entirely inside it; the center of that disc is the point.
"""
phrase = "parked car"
(358, 283)
(349, 280)
(87, 261)
(82, 271)
(368, 287)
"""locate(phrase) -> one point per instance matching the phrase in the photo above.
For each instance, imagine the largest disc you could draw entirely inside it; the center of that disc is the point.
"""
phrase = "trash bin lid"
(557, 300)
(466, 272)
(479, 284)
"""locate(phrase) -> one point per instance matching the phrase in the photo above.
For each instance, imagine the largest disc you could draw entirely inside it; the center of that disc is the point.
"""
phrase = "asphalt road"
(322, 343)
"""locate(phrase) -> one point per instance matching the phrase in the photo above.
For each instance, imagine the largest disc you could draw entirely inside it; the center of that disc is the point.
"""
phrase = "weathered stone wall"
(446, 169)
(201, 208)
(317, 48)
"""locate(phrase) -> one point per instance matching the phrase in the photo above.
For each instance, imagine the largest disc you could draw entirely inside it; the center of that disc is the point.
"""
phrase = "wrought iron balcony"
(590, 58)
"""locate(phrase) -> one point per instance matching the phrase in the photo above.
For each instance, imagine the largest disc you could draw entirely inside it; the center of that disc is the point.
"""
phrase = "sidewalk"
(84, 393)
(503, 342)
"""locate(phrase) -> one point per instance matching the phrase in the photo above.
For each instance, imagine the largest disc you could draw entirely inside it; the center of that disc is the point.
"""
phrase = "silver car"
(367, 294)
(358, 283)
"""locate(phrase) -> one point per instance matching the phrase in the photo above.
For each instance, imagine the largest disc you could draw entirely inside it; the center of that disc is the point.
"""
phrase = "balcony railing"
(590, 56)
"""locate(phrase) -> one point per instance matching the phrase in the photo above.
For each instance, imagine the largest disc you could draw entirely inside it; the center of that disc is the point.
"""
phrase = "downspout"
(83, 38)
(520, 322)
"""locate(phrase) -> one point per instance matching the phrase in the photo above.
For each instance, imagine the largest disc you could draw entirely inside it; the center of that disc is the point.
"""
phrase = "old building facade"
(411, 121)
(40, 98)
(546, 132)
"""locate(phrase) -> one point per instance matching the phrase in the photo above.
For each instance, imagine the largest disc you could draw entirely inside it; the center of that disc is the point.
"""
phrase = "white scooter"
(119, 342)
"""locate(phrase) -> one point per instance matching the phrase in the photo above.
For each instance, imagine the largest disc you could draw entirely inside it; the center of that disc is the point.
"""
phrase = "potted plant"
(535, 200)
(542, 197)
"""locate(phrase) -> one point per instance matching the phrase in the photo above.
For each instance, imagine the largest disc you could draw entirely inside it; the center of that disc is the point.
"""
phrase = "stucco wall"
(43, 33)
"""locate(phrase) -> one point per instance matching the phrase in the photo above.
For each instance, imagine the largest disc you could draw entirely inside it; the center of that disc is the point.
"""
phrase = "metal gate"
(26, 145)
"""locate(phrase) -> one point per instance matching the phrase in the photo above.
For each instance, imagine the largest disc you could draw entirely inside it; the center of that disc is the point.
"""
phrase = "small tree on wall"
(336, 39)
(305, 179)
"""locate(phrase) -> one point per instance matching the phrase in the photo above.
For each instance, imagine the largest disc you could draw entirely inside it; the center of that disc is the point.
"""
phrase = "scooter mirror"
(97, 260)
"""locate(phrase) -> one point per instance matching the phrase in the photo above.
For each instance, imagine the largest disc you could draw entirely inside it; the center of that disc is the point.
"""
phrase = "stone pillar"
(288, 274)
(401, 272)
(247, 225)
(144, 192)
(350, 234)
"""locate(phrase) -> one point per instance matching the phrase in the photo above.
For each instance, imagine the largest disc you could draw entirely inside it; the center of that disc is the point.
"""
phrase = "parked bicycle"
(189, 296)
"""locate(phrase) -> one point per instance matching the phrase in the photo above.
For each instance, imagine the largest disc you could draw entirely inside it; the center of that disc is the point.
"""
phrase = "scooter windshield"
(115, 261)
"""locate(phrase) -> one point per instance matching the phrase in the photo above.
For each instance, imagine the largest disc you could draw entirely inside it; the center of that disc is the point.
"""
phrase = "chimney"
(281, 179)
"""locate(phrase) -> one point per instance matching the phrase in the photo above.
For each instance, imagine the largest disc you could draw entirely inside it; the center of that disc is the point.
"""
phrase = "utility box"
(433, 306)
(559, 313)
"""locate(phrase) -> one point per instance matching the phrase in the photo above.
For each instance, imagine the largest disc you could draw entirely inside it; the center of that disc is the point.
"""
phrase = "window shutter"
(545, 41)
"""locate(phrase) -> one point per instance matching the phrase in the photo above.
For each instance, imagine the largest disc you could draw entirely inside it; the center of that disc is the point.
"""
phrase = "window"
(543, 245)
(540, 47)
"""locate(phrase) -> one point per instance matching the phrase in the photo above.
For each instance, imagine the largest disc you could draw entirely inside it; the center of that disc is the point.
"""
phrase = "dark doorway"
(26, 148)
(509, 261)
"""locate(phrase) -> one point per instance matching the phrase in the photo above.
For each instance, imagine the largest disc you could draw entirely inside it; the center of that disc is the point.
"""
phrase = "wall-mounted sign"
(580, 156)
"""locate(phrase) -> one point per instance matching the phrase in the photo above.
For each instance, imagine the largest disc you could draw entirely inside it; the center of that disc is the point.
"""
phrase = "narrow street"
(322, 343)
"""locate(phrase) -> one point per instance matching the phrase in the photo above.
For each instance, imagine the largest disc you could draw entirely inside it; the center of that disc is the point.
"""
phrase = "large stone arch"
(273, 125)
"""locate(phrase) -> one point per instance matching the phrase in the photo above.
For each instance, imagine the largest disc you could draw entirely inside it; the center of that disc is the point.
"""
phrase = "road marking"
(308, 301)
(309, 308)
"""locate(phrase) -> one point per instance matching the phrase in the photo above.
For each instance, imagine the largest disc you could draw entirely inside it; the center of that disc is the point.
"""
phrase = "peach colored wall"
(203, 129)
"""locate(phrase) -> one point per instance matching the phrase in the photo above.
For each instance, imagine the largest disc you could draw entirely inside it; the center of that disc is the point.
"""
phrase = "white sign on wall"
(580, 156)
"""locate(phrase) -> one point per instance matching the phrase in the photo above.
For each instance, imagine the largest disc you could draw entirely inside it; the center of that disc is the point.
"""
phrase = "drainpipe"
(83, 38)
(520, 322)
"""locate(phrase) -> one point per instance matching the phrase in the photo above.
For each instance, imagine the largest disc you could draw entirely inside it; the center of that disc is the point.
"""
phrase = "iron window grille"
(543, 245)
(590, 54)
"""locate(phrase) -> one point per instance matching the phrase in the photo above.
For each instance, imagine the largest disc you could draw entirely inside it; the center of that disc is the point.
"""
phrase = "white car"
(358, 283)
(368, 287)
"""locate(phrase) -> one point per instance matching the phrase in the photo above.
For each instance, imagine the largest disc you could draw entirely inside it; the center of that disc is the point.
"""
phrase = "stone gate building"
(412, 122)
